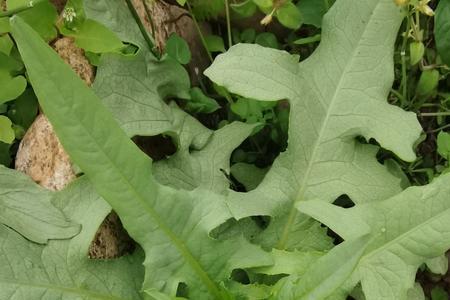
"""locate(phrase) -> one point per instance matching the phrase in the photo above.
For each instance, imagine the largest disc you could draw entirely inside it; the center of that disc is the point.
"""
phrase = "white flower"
(424, 8)
(69, 14)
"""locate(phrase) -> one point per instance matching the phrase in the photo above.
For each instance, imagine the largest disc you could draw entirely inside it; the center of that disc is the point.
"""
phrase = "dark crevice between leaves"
(111, 240)
(157, 147)
(343, 201)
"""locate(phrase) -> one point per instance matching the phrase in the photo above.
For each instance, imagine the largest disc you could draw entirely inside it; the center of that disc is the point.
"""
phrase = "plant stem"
(435, 114)
(144, 32)
(227, 14)
(202, 39)
(199, 31)
(398, 95)
(147, 12)
(404, 82)
(439, 129)
(19, 9)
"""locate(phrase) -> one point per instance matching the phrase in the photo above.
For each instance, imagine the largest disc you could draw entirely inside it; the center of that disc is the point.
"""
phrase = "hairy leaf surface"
(173, 227)
(406, 231)
(336, 95)
(27, 208)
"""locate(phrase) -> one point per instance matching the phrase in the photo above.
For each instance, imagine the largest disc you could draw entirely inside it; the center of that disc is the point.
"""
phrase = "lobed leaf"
(27, 208)
(61, 269)
(407, 230)
(337, 94)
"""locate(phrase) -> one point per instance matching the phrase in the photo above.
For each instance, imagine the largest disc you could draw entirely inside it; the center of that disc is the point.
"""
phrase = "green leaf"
(5, 155)
(438, 293)
(406, 232)
(324, 276)
(207, 9)
(41, 17)
(443, 144)
(6, 132)
(285, 262)
(188, 169)
(134, 90)
(438, 265)
(289, 16)
(94, 37)
(12, 85)
(4, 25)
(24, 109)
(248, 35)
(250, 291)
(214, 43)
(428, 83)
(267, 39)
(181, 2)
(245, 8)
(331, 104)
(172, 226)
(263, 3)
(178, 49)
(200, 103)
(27, 208)
(6, 44)
(62, 269)
(248, 175)
(416, 293)
(308, 40)
(442, 30)
(252, 110)
(416, 50)
(312, 11)
(116, 16)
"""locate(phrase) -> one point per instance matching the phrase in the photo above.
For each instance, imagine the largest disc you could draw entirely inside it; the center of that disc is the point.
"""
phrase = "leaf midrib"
(64, 289)
(406, 234)
(303, 184)
(178, 244)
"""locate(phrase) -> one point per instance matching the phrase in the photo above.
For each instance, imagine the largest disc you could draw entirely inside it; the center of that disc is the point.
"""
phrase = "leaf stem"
(199, 31)
(149, 40)
(435, 114)
(227, 14)
(202, 39)
(19, 9)
(404, 82)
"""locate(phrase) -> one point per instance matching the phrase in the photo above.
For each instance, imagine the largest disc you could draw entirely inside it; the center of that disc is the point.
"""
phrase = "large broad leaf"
(62, 269)
(116, 16)
(442, 30)
(27, 208)
(406, 231)
(135, 89)
(336, 95)
(173, 227)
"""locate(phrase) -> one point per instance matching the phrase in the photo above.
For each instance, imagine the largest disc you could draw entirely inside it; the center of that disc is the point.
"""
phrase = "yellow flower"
(424, 8)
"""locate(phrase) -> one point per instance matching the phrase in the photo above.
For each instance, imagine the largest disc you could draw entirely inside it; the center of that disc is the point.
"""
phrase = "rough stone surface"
(111, 240)
(74, 56)
(42, 157)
